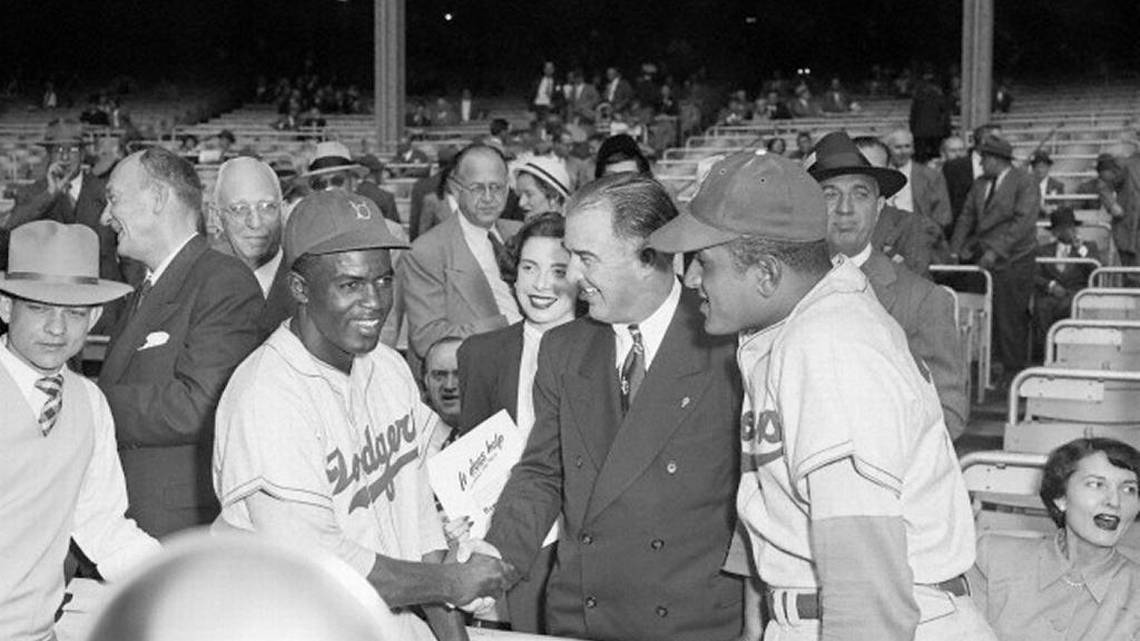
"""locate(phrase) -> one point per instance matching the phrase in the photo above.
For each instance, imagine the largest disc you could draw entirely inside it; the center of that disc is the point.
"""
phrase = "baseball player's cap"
(751, 192)
(333, 221)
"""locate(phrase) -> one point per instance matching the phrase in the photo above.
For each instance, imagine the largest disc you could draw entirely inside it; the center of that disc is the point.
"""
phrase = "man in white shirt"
(59, 469)
(545, 92)
(925, 190)
(450, 278)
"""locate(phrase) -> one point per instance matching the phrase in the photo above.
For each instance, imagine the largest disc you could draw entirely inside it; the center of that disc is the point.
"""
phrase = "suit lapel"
(678, 372)
(592, 392)
(138, 322)
(882, 277)
(512, 349)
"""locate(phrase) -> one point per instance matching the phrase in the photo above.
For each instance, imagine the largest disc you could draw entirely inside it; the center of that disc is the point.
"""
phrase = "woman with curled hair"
(1075, 584)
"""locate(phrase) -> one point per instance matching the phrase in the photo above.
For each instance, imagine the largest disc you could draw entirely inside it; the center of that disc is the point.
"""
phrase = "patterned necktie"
(144, 289)
(632, 370)
(500, 251)
(990, 192)
(53, 387)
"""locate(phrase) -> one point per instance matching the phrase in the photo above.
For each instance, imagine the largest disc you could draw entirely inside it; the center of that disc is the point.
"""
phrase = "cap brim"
(359, 170)
(64, 293)
(890, 181)
(686, 234)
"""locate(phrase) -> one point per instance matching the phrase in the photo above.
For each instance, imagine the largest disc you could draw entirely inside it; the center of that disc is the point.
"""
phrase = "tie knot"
(50, 385)
(635, 332)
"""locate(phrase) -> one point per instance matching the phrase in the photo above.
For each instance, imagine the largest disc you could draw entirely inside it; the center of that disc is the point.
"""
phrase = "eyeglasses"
(241, 211)
(484, 190)
(320, 183)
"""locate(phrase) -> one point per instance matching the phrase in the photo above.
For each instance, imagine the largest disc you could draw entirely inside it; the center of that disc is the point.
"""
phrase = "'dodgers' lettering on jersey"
(380, 452)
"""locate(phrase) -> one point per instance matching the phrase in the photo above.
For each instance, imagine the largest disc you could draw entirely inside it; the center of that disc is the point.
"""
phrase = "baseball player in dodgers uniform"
(858, 516)
(321, 433)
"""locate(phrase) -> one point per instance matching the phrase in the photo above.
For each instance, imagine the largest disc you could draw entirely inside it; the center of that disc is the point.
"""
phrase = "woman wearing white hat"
(543, 185)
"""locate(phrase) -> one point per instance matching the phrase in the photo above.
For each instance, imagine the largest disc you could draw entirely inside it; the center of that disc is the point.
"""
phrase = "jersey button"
(657, 544)
(671, 467)
(586, 539)
(662, 611)
(591, 602)
(578, 462)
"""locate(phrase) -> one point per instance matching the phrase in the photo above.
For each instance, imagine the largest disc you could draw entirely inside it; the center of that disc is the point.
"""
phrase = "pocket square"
(155, 339)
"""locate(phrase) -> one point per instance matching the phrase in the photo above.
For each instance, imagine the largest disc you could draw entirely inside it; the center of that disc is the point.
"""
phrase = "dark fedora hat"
(1063, 217)
(836, 155)
(993, 145)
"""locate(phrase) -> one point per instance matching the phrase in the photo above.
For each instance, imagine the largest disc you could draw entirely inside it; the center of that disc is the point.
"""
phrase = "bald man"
(248, 202)
(925, 190)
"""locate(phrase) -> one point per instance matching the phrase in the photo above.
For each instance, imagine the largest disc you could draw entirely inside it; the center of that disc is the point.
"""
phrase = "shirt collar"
(153, 276)
(267, 272)
(23, 375)
(1052, 567)
(859, 259)
(654, 327)
(293, 351)
(473, 231)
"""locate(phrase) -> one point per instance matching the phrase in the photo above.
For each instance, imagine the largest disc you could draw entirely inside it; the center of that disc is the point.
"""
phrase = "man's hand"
(480, 576)
(59, 178)
(1056, 290)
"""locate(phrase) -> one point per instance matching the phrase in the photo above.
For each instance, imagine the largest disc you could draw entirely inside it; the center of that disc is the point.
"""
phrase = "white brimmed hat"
(57, 264)
(549, 170)
(333, 156)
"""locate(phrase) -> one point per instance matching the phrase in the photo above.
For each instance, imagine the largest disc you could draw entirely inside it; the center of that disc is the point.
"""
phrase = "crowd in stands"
(739, 412)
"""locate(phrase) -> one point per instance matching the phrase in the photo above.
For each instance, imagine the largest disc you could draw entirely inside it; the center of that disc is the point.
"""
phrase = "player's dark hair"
(1062, 462)
(803, 257)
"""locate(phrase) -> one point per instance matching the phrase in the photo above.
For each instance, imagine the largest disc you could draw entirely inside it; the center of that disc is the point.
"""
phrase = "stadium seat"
(1094, 344)
(1114, 276)
(1064, 404)
(1107, 303)
(975, 311)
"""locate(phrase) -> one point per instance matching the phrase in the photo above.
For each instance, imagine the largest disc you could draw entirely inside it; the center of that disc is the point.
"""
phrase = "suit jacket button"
(662, 611)
(657, 544)
(591, 602)
(578, 462)
(671, 467)
(586, 539)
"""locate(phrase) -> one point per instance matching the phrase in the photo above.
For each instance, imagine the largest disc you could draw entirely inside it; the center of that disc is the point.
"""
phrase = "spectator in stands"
(618, 92)
(855, 192)
(451, 280)
(961, 173)
(925, 191)
(1056, 283)
(776, 145)
(804, 145)
(370, 187)
(192, 321)
(500, 131)
(467, 110)
(803, 105)
(1119, 187)
(1076, 584)
(1040, 163)
(543, 185)
(409, 154)
(61, 474)
(952, 147)
(775, 108)
(929, 117)
(1003, 98)
(69, 192)
(899, 234)
(314, 118)
(545, 98)
(226, 141)
(997, 232)
(419, 116)
(247, 196)
(666, 102)
(645, 86)
(443, 115)
(836, 100)
(582, 101)
(620, 153)
(440, 378)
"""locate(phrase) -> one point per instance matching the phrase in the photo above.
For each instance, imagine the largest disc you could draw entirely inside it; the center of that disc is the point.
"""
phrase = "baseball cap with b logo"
(750, 193)
(328, 222)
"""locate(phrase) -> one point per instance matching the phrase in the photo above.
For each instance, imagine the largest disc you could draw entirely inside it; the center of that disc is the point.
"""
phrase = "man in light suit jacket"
(634, 441)
(192, 321)
(1040, 163)
(925, 192)
(583, 99)
(925, 312)
(450, 278)
(997, 231)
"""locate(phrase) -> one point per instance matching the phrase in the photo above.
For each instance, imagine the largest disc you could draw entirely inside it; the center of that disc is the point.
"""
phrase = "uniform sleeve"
(111, 540)
(303, 526)
(427, 421)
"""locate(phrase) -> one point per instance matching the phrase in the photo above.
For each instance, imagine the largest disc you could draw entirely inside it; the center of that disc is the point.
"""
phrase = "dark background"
(495, 46)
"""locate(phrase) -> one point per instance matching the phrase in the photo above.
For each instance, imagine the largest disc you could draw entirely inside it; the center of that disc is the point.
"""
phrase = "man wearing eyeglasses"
(450, 278)
(247, 196)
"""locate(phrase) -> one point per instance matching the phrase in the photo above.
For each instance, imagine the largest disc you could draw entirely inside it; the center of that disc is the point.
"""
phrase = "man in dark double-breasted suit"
(191, 322)
(634, 441)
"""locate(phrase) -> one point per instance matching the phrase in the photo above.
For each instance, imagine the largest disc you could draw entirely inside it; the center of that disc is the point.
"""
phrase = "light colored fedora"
(57, 264)
(333, 156)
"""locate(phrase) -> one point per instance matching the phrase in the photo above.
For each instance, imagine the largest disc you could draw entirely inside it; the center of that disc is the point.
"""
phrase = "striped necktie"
(633, 369)
(53, 387)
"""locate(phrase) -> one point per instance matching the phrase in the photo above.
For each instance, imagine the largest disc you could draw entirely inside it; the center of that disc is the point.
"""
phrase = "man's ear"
(6, 309)
(298, 288)
(93, 316)
(160, 195)
(765, 275)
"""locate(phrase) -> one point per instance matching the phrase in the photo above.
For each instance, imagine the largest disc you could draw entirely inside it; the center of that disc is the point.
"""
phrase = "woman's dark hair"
(620, 148)
(774, 142)
(548, 225)
(1062, 462)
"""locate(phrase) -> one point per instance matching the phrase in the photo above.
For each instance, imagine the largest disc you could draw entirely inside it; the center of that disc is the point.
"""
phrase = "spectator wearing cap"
(322, 433)
(620, 153)
(997, 231)
(1041, 164)
(849, 479)
(855, 192)
(1118, 183)
(634, 440)
(68, 193)
(248, 199)
(1055, 283)
(451, 279)
(961, 173)
(542, 183)
(189, 324)
(60, 468)
(370, 187)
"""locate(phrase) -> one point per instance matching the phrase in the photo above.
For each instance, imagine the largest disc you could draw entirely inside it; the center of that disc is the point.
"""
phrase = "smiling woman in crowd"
(1075, 584)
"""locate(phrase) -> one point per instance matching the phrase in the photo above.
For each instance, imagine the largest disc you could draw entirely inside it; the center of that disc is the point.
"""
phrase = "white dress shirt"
(652, 329)
(153, 276)
(480, 247)
(545, 89)
(267, 272)
(75, 186)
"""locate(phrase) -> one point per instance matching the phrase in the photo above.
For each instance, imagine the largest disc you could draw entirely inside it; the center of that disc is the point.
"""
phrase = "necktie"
(990, 192)
(53, 387)
(500, 251)
(633, 369)
(144, 289)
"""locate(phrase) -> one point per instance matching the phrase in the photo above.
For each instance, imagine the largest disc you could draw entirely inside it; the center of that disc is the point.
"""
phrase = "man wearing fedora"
(1055, 282)
(997, 231)
(369, 187)
(70, 192)
(190, 323)
(1040, 163)
(850, 493)
(59, 469)
(855, 192)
